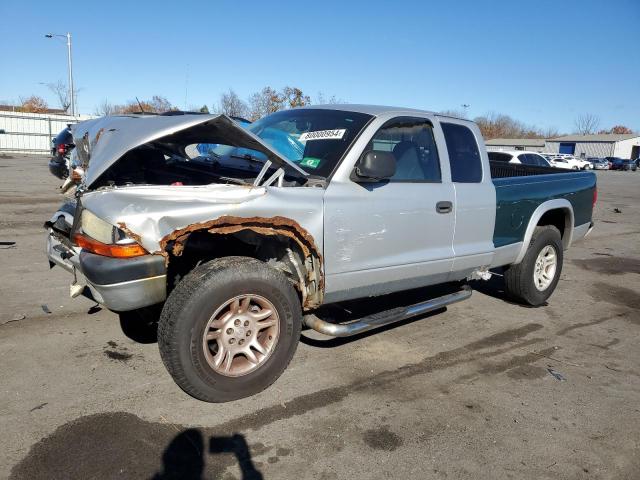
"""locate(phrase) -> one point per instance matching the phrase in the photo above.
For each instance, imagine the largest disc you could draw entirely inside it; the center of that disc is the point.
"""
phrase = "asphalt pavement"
(485, 389)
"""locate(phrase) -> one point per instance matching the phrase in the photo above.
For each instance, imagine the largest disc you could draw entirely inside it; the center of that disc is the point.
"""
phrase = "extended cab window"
(464, 156)
(412, 143)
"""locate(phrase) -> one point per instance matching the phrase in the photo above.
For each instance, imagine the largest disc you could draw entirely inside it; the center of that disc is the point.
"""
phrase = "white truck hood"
(101, 142)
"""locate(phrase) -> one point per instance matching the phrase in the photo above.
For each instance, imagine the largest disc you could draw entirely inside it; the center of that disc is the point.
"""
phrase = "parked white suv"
(574, 163)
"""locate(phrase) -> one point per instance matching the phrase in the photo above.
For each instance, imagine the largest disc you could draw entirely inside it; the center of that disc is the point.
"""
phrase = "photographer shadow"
(184, 456)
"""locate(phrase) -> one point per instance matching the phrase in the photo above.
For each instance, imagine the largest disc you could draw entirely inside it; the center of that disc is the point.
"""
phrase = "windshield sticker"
(323, 135)
(310, 162)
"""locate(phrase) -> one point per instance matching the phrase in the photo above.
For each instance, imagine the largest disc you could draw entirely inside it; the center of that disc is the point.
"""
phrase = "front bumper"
(118, 284)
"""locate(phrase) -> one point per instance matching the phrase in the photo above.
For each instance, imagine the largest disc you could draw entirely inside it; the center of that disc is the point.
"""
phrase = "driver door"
(395, 234)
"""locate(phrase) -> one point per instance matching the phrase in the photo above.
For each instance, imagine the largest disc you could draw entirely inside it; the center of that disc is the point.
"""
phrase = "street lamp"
(71, 90)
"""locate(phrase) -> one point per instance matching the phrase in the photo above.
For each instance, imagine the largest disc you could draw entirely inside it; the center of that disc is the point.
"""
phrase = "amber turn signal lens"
(114, 250)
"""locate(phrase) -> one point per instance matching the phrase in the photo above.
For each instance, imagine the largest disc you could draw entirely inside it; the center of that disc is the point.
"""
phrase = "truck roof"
(374, 109)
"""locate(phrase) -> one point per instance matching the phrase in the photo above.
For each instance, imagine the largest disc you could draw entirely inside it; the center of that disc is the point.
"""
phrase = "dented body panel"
(166, 213)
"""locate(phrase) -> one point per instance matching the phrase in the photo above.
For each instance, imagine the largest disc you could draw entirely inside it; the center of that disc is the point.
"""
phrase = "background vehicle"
(599, 163)
(519, 157)
(574, 163)
(239, 260)
(61, 146)
(622, 164)
(559, 162)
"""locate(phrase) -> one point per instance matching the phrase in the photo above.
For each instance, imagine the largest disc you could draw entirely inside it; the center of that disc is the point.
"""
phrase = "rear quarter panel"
(518, 197)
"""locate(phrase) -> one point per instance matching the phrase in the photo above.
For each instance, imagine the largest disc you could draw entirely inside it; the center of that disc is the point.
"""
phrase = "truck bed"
(520, 189)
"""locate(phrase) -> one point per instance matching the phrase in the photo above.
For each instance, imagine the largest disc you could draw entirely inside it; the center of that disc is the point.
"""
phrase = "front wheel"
(534, 279)
(229, 329)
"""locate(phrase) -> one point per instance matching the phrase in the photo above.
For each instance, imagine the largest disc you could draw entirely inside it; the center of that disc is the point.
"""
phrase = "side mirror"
(373, 166)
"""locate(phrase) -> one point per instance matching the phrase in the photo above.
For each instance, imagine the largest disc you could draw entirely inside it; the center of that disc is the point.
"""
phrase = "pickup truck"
(237, 251)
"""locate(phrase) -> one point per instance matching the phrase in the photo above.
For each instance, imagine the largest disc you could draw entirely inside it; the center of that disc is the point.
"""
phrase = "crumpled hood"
(101, 142)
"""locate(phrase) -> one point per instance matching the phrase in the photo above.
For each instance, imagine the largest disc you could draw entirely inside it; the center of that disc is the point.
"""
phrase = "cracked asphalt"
(485, 389)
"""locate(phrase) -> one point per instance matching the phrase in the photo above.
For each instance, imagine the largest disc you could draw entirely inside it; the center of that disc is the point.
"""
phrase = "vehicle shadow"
(184, 457)
(494, 287)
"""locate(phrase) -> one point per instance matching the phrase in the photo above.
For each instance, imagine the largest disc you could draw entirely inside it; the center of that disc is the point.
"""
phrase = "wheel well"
(279, 251)
(561, 219)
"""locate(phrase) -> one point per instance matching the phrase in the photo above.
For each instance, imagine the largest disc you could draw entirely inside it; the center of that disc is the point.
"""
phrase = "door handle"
(444, 207)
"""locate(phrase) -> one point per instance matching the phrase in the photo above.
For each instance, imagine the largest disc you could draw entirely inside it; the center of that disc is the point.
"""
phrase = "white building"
(530, 144)
(599, 145)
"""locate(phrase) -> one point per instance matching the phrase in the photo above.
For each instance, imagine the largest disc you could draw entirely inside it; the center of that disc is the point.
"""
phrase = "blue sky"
(542, 62)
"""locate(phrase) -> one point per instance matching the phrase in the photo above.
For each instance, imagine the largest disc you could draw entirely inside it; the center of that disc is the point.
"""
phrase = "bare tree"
(231, 104)
(586, 124)
(61, 91)
(321, 99)
(453, 113)
(106, 108)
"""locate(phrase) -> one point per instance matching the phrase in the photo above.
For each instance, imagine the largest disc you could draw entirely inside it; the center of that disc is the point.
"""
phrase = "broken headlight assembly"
(97, 236)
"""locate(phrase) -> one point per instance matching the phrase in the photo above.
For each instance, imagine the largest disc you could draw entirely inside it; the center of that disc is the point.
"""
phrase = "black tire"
(141, 325)
(192, 303)
(519, 279)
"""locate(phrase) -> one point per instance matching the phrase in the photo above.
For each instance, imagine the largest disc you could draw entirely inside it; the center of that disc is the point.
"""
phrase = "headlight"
(102, 238)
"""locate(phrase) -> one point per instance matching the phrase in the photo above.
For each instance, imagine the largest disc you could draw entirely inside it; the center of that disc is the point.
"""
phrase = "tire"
(212, 291)
(141, 325)
(520, 279)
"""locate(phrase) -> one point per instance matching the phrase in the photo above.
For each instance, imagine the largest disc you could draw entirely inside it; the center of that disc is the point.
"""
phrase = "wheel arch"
(557, 212)
(278, 241)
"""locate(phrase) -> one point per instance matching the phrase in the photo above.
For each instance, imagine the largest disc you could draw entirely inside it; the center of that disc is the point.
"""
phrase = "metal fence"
(32, 132)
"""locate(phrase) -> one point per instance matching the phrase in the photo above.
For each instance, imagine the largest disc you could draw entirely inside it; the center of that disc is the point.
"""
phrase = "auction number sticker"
(323, 135)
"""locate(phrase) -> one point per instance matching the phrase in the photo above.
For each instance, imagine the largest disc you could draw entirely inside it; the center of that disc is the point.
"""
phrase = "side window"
(528, 159)
(499, 157)
(464, 157)
(413, 145)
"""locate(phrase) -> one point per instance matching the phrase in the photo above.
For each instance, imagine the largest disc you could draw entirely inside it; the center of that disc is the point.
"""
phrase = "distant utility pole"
(72, 92)
(465, 107)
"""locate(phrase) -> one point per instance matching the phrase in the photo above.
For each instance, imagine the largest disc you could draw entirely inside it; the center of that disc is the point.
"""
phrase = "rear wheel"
(229, 329)
(534, 279)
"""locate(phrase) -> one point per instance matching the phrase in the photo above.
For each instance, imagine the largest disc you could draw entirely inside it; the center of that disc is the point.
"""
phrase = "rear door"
(475, 197)
(396, 234)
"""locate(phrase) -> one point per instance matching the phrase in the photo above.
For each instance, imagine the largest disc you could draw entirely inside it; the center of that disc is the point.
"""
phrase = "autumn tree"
(620, 130)
(33, 104)
(157, 104)
(586, 124)
(293, 97)
(160, 104)
(263, 103)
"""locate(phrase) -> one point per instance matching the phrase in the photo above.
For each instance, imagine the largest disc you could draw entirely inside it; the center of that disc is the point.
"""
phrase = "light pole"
(465, 106)
(70, 63)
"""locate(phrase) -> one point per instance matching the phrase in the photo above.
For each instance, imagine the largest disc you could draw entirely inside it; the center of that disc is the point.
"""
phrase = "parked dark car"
(622, 164)
(61, 146)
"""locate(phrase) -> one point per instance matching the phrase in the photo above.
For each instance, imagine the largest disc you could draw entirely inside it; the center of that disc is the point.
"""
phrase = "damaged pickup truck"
(236, 248)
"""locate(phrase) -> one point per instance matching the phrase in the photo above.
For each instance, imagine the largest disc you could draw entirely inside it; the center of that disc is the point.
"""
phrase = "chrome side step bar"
(384, 318)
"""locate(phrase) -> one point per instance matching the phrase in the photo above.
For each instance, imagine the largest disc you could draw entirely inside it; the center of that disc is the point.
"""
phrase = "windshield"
(314, 139)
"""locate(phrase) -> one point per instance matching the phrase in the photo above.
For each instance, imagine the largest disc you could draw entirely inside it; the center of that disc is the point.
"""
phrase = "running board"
(386, 317)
